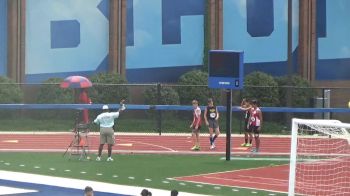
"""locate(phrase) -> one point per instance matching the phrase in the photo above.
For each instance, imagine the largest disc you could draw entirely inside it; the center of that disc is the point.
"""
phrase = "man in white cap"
(106, 122)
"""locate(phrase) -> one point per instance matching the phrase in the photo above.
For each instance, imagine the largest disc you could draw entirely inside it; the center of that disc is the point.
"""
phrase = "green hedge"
(169, 96)
(51, 92)
(301, 94)
(108, 93)
(187, 94)
(263, 87)
(9, 91)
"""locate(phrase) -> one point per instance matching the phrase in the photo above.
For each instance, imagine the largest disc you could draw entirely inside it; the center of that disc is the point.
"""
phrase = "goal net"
(320, 158)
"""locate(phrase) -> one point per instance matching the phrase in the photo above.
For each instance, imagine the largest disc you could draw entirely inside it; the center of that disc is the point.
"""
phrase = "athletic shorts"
(213, 123)
(107, 135)
(197, 130)
(254, 129)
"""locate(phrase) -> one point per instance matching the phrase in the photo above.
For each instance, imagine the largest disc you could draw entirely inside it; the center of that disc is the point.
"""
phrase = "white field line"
(150, 152)
(80, 184)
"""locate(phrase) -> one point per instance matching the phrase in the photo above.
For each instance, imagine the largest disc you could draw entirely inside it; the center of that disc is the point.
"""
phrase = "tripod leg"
(70, 145)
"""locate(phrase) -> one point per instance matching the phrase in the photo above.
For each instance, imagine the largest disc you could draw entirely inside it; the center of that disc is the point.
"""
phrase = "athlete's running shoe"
(212, 147)
(110, 159)
(197, 148)
(194, 148)
(255, 150)
(244, 144)
(98, 158)
(248, 145)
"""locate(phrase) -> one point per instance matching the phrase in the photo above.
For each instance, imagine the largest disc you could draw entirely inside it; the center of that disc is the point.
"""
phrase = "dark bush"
(9, 91)
(301, 93)
(106, 89)
(169, 96)
(51, 92)
(263, 87)
(200, 93)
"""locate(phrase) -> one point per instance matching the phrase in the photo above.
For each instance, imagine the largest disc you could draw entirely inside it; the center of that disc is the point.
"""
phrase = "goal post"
(319, 158)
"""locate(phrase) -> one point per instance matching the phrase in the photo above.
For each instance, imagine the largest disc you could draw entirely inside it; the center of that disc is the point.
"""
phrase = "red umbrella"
(76, 82)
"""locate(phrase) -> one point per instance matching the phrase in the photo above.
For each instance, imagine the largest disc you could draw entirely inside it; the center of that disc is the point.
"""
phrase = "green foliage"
(301, 94)
(263, 87)
(51, 92)
(200, 93)
(111, 92)
(9, 91)
(169, 96)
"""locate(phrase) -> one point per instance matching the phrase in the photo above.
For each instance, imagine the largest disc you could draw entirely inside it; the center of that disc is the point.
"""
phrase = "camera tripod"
(79, 145)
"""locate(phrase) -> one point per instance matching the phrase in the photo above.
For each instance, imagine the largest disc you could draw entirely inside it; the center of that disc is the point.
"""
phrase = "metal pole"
(159, 112)
(290, 60)
(228, 123)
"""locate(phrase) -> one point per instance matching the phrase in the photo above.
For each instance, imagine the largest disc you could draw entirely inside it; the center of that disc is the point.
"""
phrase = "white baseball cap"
(105, 107)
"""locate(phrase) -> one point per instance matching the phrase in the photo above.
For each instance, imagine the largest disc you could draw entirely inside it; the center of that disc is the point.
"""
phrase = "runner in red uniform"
(255, 123)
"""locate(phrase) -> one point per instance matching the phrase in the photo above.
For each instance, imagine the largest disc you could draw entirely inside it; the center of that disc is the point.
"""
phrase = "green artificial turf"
(158, 168)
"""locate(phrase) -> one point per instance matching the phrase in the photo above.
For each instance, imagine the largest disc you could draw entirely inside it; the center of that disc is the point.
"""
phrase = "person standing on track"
(246, 107)
(196, 125)
(255, 123)
(106, 122)
(211, 117)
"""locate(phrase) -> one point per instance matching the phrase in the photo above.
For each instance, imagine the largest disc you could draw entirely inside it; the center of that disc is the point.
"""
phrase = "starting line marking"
(10, 141)
(127, 145)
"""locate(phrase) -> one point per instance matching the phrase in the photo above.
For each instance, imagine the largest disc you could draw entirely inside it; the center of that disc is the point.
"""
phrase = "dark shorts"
(254, 129)
(213, 123)
(246, 127)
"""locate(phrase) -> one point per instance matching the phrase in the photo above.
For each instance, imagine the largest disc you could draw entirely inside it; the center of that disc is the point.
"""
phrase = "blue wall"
(3, 37)
(65, 37)
(260, 30)
(165, 39)
(333, 31)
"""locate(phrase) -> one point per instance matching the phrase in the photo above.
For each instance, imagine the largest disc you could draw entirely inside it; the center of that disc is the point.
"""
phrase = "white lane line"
(115, 176)
(131, 178)
(199, 185)
(36, 167)
(148, 180)
(217, 187)
(22, 165)
(83, 172)
(182, 184)
(154, 145)
(165, 182)
(99, 174)
(52, 169)
(7, 163)
(67, 170)
(11, 190)
(254, 192)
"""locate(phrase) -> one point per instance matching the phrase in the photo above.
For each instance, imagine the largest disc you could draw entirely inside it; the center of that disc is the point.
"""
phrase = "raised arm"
(217, 114)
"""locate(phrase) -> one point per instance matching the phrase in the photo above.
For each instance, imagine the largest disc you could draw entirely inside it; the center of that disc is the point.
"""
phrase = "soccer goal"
(320, 158)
